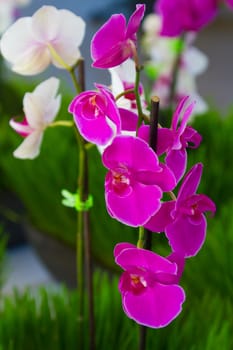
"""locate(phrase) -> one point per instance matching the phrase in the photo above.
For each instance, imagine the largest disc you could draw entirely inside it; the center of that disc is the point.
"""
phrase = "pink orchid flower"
(135, 180)
(230, 3)
(183, 219)
(40, 107)
(115, 41)
(150, 293)
(96, 115)
(49, 36)
(181, 15)
(175, 140)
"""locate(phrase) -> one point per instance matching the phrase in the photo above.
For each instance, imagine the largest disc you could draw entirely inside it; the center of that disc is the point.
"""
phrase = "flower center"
(138, 283)
(120, 179)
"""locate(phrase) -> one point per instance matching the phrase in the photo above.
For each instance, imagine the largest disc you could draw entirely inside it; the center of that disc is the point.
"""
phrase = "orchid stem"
(137, 96)
(147, 235)
(83, 234)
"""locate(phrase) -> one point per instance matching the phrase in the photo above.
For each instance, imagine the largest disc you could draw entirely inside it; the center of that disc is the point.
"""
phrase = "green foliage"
(39, 183)
(48, 320)
(3, 243)
(215, 153)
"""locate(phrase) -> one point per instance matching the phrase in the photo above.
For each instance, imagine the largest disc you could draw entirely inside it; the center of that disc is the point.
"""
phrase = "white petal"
(72, 28)
(45, 23)
(20, 128)
(70, 54)
(201, 105)
(41, 106)
(196, 61)
(16, 40)
(33, 110)
(52, 110)
(6, 16)
(116, 83)
(69, 37)
(152, 24)
(34, 61)
(45, 94)
(30, 147)
(47, 90)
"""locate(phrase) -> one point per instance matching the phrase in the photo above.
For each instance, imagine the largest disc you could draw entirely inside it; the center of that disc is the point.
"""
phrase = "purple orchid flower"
(230, 3)
(148, 285)
(175, 140)
(183, 219)
(96, 115)
(115, 41)
(181, 15)
(135, 181)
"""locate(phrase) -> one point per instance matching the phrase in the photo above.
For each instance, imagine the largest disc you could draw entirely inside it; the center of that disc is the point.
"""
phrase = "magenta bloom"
(135, 180)
(115, 41)
(183, 220)
(230, 3)
(175, 140)
(185, 15)
(150, 293)
(96, 115)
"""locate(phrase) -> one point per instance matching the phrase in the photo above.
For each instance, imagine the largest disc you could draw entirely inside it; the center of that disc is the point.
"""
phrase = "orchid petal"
(190, 183)
(136, 153)
(185, 238)
(30, 147)
(11, 47)
(104, 40)
(146, 259)
(21, 128)
(155, 307)
(122, 246)
(135, 21)
(177, 162)
(180, 262)
(41, 106)
(131, 209)
(45, 23)
(159, 221)
(33, 61)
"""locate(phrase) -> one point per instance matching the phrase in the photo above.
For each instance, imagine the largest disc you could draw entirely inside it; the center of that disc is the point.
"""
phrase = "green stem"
(75, 82)
(137, 96)
(67, 123)
(141, 237)
(63, 64)
(123, 93)
(80, 242)
(145, 236)
(83, 234)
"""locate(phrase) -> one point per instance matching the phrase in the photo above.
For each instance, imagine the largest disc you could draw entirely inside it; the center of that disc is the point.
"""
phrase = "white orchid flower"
(49, 36)
(162, 52)
(40, 107)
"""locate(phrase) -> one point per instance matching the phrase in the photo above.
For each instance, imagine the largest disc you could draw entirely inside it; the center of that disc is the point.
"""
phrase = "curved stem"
(123, 93)
(63, 64)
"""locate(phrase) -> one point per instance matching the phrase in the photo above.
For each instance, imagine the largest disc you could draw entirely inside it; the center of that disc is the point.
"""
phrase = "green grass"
(49, 321)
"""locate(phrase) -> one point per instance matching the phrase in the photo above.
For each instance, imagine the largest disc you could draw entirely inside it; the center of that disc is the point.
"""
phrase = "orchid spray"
(147, 184)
